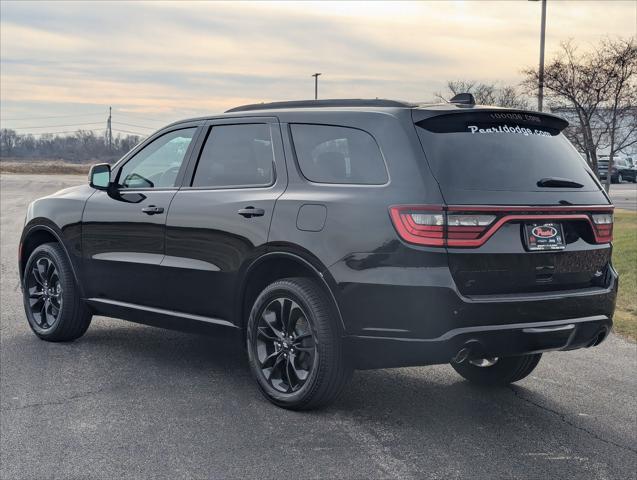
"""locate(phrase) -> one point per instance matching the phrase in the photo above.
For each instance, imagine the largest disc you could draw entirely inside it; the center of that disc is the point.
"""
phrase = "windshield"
(506, 151)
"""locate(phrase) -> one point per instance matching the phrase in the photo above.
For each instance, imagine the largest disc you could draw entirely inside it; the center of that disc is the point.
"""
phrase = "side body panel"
(122, 244)
(358, 246)
(208, 242)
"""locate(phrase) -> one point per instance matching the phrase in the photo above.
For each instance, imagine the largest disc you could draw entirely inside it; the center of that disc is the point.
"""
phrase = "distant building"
(569, 114)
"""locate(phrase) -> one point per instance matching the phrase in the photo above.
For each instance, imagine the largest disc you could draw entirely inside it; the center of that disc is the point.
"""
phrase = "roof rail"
(346, 102)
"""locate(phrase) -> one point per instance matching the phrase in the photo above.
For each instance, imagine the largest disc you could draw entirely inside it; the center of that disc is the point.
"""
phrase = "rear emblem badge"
(544, 231)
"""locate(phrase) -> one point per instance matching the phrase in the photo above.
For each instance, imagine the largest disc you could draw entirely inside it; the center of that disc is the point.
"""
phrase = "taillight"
(459, 226)
(466, 227)
(420, 225)
(603, 225)
(433, 227)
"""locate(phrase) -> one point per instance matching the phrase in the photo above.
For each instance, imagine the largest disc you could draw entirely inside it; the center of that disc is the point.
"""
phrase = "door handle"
(250, 212)
(152, 210)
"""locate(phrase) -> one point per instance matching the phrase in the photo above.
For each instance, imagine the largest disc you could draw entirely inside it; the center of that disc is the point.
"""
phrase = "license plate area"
(544, 236)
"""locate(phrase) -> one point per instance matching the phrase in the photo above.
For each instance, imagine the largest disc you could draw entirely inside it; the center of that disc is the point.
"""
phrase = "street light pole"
(540, 96)
(316, 75)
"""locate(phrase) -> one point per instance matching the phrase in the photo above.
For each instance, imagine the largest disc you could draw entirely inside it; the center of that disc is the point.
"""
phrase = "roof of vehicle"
(362, 103)
(349, 104)
(344, 102)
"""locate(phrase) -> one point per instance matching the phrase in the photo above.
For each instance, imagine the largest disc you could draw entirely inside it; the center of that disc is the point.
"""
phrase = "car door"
(221, 217)
(123, 229)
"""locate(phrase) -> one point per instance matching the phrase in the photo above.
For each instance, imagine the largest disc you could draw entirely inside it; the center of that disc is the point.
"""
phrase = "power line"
(65, 131)
(54, 116)
(128, 131)
(135, 116)
(133, 125)
(56, 126)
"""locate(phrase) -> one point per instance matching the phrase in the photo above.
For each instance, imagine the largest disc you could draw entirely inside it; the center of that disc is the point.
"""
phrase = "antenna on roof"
(464, 99)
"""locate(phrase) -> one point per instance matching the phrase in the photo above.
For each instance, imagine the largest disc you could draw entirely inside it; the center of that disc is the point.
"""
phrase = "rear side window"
(330, 154)
(236, 156)
(507, 151)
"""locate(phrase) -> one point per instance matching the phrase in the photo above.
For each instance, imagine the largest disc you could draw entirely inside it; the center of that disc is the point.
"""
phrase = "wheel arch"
(274, 265)
(37, 235)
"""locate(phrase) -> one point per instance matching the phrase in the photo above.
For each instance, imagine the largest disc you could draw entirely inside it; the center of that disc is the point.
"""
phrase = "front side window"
(330, 154)
(158, 163)
(236, 156)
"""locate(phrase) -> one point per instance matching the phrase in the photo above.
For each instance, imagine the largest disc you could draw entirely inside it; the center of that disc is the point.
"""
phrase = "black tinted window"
(236, 155)
(500, 151)
(328, 154)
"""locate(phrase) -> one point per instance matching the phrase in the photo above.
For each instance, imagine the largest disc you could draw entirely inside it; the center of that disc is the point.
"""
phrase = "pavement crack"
(379, 452)
(62, 401)
(569, 423)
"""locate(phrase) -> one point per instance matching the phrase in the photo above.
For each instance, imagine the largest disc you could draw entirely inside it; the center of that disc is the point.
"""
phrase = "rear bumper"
(481, 342)
(418, 317)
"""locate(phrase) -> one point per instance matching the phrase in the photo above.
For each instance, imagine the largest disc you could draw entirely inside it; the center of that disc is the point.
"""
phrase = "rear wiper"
(558, 182)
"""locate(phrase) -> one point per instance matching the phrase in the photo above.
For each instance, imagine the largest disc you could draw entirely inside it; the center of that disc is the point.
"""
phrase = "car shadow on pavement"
(401, 392)
(131, 359)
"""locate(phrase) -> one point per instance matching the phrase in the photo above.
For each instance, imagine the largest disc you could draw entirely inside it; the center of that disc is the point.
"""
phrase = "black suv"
(336, 235)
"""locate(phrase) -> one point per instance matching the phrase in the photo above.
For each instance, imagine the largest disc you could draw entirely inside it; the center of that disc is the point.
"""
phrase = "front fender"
(59, 217)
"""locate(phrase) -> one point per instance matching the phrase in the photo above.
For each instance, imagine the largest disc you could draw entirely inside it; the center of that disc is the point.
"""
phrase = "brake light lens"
(603, 224)
(437, 228)
(459, 226)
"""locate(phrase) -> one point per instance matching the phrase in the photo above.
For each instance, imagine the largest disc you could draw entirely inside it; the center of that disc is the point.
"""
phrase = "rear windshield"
(500, 151)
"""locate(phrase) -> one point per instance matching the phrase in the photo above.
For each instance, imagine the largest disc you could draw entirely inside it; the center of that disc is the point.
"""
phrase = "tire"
(53, 290)
(303, 368)
(504, 371)
(620, 178)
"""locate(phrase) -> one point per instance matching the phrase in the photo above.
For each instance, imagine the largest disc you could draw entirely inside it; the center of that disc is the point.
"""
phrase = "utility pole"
(316, 75)
(109, 130)
(540, 95)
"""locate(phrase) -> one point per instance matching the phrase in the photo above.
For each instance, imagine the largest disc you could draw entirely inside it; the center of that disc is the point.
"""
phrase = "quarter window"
(330, 154)
(157, 164)
(236, 156)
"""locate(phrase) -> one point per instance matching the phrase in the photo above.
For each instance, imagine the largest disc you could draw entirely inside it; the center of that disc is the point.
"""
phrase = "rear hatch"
(523, 212)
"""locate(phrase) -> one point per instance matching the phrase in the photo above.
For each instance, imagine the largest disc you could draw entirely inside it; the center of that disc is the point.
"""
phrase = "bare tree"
(8, 142)
(619, 117)
(592, 85)
(486, 93)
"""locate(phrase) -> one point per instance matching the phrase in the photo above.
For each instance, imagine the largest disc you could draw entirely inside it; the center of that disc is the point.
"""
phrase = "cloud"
(179, 59)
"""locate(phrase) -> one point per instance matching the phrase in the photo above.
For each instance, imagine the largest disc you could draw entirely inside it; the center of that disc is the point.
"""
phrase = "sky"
(62, 64)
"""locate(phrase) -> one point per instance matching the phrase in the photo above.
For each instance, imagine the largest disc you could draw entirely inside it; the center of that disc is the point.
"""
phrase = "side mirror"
(99, 176)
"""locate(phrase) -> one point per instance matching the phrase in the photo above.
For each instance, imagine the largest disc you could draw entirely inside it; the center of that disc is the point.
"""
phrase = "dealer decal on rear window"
(506, 129)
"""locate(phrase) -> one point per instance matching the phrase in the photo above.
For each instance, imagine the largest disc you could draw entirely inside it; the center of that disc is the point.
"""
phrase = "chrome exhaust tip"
(462, 355)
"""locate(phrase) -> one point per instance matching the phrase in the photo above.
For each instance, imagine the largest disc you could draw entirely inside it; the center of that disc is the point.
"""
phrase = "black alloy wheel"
(285, 345)
(52, 301)
(45, 292)
(295, 345)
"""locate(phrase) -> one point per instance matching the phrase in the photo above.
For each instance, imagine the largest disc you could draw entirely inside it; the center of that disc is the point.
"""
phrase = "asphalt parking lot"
(624, 196)
(129, 401)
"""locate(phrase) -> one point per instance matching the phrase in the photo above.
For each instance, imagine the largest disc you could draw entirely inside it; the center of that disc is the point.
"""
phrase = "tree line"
(81, 147)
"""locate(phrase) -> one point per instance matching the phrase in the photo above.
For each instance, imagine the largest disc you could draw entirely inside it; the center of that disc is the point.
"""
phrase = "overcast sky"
(157, 62)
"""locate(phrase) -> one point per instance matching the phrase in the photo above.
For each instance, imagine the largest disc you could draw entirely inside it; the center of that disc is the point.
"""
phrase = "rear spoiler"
(445, 121)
